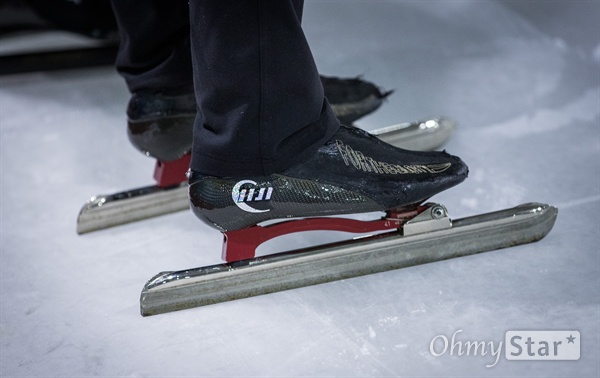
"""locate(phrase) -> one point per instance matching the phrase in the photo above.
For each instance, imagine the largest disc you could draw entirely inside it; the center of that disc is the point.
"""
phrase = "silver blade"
(171, 291)
(104, 211)
(425, 135)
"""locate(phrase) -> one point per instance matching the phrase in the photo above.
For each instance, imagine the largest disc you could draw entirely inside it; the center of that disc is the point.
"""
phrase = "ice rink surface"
(522, 80)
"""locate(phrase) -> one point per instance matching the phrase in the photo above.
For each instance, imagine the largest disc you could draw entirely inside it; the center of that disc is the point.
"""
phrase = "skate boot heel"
(171, 173)
(242, 244)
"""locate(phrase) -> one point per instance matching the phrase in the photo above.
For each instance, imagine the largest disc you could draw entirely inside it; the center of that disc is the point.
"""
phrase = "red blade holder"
(242, 244)
(171, 173)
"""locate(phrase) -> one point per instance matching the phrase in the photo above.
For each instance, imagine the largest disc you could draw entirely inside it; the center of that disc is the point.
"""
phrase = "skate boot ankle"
(353, 173)
(351, 99)
(160, 123)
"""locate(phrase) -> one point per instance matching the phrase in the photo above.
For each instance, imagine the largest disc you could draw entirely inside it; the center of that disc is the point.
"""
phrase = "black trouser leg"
(155, 43)
(259, 94)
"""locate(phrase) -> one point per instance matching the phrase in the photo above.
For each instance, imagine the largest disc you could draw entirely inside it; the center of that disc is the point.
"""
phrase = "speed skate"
(169, 194)
(354, 172)
(402, 238)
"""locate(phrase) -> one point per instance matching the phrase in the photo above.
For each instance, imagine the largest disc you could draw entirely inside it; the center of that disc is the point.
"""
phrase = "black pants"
(260, 100)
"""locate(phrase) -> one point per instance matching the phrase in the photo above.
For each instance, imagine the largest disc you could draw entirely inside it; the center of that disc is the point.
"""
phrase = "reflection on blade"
(105, 211)
(418, 136)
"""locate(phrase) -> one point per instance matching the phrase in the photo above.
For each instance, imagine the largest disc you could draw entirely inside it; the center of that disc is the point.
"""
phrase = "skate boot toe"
(351, 99)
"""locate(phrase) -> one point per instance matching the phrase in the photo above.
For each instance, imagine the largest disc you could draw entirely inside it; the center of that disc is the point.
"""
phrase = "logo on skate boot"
(367, 164)
(241, 197)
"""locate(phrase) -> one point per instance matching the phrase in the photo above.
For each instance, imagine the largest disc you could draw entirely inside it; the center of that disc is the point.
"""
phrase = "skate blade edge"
(426, 135)
(105, 211)
(172, 291)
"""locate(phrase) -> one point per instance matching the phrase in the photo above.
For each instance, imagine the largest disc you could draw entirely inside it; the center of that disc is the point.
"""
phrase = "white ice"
(522, 79)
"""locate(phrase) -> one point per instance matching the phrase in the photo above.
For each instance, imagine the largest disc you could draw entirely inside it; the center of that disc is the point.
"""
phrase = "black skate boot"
(353, 173)
(160, 123)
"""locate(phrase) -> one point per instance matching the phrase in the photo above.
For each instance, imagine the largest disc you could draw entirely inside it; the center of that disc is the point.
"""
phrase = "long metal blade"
(171, 291)
(105, 211)
(425, 135)
(109, 210)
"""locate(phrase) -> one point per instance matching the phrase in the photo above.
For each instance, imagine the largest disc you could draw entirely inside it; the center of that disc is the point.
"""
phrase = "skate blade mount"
(105, 211)
(429, 237)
